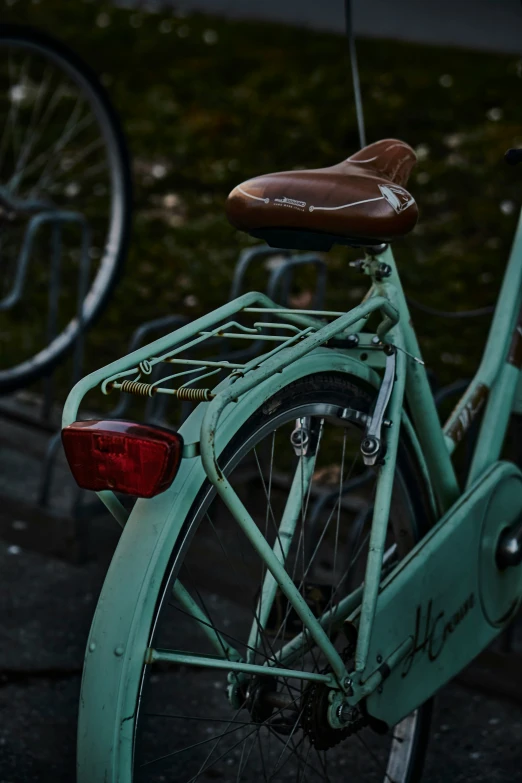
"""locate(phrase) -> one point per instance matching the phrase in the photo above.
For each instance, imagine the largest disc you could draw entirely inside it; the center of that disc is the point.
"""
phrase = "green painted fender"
(120, 629)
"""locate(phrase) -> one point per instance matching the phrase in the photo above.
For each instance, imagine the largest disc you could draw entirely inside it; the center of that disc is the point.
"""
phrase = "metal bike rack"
(56, 219)
(41, 421)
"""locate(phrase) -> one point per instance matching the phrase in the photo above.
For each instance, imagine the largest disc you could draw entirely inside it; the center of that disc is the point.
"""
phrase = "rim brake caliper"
(372, 442)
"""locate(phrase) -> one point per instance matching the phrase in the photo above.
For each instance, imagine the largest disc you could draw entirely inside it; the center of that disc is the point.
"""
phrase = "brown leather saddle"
(361, 201)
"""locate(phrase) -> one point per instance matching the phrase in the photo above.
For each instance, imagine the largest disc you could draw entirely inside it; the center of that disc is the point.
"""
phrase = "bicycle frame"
(494, 385)
(497, 377)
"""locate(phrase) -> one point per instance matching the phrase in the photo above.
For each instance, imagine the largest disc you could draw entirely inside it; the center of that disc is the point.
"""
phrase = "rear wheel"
(192, 724)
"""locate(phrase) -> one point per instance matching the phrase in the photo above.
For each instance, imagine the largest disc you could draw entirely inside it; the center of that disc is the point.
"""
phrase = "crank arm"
(371, 444)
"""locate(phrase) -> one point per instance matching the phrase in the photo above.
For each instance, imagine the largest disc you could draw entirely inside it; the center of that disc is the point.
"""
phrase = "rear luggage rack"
(273, 333)
(286, 334)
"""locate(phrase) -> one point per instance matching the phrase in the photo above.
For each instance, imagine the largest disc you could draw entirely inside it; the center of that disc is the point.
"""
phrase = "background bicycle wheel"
(61, 149)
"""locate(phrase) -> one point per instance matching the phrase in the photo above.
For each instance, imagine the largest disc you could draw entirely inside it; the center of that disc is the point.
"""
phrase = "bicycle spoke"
(338, 518)
(305, 760)
(228, 750)
(50, 170)
(289, 740)
(204, 768)
(243, 763)
(52, 105)
(15, 103)
(94, 170)
(50, 157)
(45, 157)
(322, 763)
(190, 747)
(300, 587)
(222, 546)
(324, 531)
(262, 757)
(307, 764)
(374, 757)
(31, 136)
(294, 754)
(4, 142)
(272, 517)
(263, 565)
(198, 718)
(205, 609)
(264, 639)
(218, 740)
(220, 631)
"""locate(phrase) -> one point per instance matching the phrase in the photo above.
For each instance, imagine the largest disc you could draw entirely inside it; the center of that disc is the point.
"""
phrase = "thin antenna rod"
(355, 72)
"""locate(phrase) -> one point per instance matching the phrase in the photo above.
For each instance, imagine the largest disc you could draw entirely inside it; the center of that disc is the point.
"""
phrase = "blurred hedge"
(207, 103)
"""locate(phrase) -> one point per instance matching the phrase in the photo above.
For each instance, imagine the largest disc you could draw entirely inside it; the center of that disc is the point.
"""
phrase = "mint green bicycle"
(301, 570)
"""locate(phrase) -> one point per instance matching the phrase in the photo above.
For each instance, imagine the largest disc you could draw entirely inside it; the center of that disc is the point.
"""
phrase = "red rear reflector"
(136, 459)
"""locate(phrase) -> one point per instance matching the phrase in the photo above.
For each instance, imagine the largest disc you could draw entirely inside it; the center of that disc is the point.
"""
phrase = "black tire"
(331, 388)
(117, 236)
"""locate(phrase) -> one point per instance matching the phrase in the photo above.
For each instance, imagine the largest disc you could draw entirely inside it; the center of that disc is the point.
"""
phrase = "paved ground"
(45, 611)
(46, 604)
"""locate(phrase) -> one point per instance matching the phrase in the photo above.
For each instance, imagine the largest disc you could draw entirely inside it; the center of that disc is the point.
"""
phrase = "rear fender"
(120, 630)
